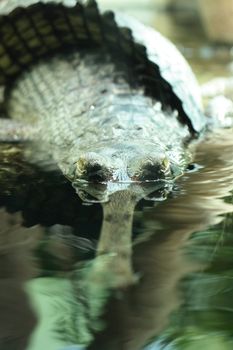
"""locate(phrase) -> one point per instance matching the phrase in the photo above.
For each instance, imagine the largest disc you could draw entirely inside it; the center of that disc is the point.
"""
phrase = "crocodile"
(105, 98)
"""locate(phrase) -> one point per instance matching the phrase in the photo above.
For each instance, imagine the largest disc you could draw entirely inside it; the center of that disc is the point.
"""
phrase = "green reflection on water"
(52, 301)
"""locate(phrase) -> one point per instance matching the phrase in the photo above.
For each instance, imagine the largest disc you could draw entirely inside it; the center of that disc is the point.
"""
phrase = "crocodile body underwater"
(107, 99)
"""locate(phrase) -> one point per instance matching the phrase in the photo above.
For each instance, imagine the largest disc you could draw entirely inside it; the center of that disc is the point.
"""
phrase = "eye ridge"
(152, 168)
(153, 171)
(93, 168)
(96, 173)
(95, 177)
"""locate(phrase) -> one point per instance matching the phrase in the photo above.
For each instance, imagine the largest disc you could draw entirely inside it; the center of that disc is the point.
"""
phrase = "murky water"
(165, 280)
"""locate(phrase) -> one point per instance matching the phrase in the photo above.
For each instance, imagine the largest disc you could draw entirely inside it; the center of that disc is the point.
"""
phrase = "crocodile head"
(118, 165)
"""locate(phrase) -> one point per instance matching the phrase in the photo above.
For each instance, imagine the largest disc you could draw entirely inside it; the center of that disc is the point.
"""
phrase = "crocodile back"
(30, 30)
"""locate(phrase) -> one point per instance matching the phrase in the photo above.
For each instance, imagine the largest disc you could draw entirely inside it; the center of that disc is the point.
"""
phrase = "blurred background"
(214, 15)
(201, 29)
(153, 11)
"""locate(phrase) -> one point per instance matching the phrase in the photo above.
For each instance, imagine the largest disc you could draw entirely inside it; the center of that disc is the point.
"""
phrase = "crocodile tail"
(30, 29)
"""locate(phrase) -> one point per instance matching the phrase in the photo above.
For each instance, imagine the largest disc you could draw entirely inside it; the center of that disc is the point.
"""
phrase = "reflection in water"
(17, 317)
(109, 289)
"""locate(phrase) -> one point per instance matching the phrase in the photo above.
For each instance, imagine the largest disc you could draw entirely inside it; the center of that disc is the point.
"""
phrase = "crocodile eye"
(91, 171)
(81, 167)
(165, 164)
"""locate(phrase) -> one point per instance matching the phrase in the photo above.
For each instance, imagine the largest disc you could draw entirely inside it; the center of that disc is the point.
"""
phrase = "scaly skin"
(95, 124)
(91, 116)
